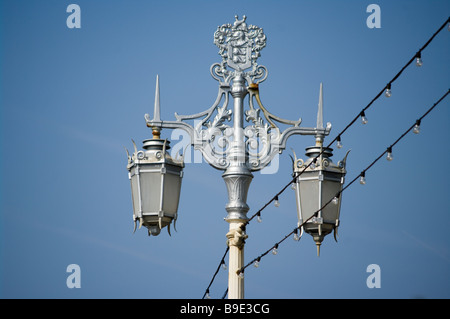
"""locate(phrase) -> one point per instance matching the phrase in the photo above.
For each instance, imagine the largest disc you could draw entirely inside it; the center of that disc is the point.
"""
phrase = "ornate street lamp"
(317, 185)
(231, 139)
(155, 182)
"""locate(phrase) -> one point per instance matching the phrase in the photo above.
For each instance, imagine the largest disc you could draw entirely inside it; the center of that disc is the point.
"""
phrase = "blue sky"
(71, 99)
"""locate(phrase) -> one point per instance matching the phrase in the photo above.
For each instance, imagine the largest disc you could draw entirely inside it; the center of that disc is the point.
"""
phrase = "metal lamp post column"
(237, 178)
(252, 141)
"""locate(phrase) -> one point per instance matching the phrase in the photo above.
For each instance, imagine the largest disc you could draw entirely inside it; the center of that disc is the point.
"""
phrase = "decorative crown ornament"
(239, 45)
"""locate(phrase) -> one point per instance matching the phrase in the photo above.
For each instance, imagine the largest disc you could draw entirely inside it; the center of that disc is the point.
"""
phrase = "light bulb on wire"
(277, 202)
(313, 163)
(339, 143)
(224, 265)
(296, 236)
(363, 117)
(256, 263)
(419, 62)
(416, 128)
(362, 179)
(275, 250)
(388, 92)
(389, 156)
(258, 217)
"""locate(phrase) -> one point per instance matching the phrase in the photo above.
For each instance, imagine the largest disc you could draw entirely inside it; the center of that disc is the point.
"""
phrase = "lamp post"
(231, 139)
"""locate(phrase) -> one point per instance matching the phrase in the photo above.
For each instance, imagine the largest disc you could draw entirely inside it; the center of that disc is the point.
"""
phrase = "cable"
(360, 114)
(388, 86)
(338, 137)
(225, 294)
(222, 261)
(347, 186)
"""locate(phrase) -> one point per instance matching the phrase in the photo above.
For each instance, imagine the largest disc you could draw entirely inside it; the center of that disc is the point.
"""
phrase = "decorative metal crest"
(240, 47)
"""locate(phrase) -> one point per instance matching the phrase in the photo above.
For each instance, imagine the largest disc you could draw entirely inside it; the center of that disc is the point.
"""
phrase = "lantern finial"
(319, 136)
(320, 110)
(156, 114)
(156, 131)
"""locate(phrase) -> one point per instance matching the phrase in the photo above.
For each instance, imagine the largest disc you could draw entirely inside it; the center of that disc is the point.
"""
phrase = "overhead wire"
(242, 269)
(222, 262)
(337, 138)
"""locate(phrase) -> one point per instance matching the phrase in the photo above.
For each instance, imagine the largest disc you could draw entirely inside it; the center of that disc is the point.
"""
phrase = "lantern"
(319, 184)
(155, 185)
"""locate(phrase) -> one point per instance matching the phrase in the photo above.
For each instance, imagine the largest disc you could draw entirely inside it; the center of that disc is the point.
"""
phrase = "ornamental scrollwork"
(213, 130)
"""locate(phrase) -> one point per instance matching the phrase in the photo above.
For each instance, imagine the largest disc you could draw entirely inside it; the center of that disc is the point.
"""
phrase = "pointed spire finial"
(320, 110)
(320, 136)
(156, 114)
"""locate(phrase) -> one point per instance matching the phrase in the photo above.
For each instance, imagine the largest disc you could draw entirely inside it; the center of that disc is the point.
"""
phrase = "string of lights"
(415, 128)
(221, 264)
(387, 89)
(387, 92)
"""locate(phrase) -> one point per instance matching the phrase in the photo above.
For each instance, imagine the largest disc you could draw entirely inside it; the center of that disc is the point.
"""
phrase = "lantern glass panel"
(309, 192)
(172, 186)
(329, 190)
(151, 189)
(134, 192)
